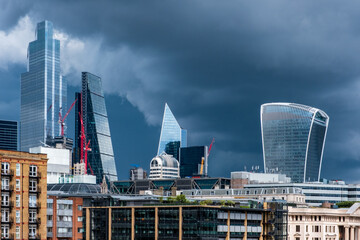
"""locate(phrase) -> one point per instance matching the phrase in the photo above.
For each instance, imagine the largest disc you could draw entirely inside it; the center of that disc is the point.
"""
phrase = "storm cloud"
(214, 62)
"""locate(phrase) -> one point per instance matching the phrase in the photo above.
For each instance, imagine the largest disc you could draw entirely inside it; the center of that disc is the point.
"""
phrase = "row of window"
(5, 169)
(300, 218)
(314, 228)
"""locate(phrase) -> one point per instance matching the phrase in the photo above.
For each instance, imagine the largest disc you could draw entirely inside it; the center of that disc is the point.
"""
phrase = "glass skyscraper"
(293, 138)
(171, 131)
(8, 135)
(190, 161)
(43, 90)
(97, 130)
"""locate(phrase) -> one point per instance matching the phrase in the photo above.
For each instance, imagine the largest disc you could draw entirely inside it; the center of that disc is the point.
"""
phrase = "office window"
(18, 188)
(5, 183)
(4, 215)
(33, 171)
(5, 167)
(4, 199)
(80, 230)
(32, 201)
(18, 200)
(79, 207)
(17, 232)
(49, 217)
(49, 205)
(5, 231)
(297, 228)
(32, 231)
(80, 219)
(32, 215)
(32, 185)
(17, 216)
(18, 166)
(49, 229)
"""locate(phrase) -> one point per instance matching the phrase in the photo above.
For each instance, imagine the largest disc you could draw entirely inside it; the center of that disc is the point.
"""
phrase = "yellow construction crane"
(203, 159)
(202, 166)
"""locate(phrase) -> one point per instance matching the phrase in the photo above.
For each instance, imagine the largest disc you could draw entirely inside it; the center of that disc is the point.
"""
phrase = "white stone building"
(164, 166)
(324, 223)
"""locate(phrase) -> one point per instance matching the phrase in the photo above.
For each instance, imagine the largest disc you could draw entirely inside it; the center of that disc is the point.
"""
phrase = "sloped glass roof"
(74, 188)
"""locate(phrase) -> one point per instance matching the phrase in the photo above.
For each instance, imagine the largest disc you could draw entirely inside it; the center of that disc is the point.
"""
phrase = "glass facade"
(173, 148)
(43, 90)
(97, 130)
(171, 132)
(293, 137)
(190, 222)
(190, 160)
(8, 135)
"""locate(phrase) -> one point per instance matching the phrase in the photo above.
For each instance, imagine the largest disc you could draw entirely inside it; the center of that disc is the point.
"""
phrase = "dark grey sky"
(214, 62)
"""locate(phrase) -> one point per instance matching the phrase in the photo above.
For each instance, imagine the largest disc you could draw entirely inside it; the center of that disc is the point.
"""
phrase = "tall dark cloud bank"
(214, 62)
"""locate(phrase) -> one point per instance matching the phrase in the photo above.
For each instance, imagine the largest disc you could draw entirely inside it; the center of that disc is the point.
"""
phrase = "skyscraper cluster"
(293, 135)
(44, 110)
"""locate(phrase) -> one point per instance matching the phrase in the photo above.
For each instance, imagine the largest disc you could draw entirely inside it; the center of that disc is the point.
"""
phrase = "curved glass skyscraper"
(97, 130)
(293, 138)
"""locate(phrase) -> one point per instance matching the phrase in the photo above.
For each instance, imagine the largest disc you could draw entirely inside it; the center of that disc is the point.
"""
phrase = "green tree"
(206, 202)
(181, 199)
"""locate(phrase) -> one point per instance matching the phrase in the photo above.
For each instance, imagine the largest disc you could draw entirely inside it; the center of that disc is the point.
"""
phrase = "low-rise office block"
(173, 222)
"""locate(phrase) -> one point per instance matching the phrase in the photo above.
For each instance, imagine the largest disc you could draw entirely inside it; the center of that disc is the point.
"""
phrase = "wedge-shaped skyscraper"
(43, 90)
(97, 130)
(293, 138)
(171, 132)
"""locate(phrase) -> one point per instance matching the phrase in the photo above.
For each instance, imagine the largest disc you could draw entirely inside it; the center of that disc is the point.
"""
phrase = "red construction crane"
(210, 146)
(62, 119)
(84, 149)
(87, 149)
(203, 159)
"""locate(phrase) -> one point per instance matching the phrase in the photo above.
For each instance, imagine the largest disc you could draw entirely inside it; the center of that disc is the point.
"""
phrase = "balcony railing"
(35, 221)
(8, 220)
(8, 237)
(7, 205)
(36, 236)
(8, 173)
(37, 207)
(36, 190)
(37, 175)
(8, 188)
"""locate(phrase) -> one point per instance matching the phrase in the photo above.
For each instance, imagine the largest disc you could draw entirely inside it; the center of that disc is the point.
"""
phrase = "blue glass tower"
(43, 90)
(293, 138)
(171, 131)
(97, 130)
(8, 135)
